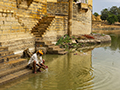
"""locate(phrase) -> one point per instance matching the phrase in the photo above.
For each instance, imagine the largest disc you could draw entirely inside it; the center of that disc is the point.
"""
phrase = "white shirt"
(41, 61)
(33, 58)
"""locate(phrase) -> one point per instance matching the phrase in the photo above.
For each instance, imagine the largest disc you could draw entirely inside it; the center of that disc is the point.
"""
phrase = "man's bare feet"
(35, 72)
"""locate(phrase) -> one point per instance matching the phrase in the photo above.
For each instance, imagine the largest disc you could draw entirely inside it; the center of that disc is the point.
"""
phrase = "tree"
(112, 19)
(119, 10)
(114, 10)
(96, 14)
(104, 14)
(118, 16)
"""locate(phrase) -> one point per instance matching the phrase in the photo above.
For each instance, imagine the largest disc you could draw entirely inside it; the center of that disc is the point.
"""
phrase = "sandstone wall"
(81, 19)
(17, 20)
(51, 0)
(57, 28)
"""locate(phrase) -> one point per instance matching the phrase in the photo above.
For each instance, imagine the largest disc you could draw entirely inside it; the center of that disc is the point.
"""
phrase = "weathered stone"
(73, 41)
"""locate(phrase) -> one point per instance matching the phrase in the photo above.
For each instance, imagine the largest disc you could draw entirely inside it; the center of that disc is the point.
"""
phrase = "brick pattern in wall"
(27, 17)
(57, 28)
(16, 23)
(9, 25)
(81, 20)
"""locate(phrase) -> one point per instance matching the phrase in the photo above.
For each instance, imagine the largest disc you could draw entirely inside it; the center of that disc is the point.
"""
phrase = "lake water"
(92, 69)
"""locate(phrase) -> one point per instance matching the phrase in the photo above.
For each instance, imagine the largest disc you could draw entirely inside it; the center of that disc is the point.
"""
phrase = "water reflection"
(72, 71)
(88, 68)
(115, 38)
(115, 42)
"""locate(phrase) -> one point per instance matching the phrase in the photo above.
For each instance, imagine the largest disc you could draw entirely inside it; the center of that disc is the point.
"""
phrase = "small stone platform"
(96, 39)
(80, 41)
(12, 66)
(49, 48)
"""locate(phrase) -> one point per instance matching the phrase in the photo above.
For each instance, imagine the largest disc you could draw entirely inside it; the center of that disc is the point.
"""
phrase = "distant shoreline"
(104, 25)
(107, 28)
(106, 31)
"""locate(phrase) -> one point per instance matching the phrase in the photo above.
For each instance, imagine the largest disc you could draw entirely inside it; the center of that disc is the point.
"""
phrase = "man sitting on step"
(36, 60)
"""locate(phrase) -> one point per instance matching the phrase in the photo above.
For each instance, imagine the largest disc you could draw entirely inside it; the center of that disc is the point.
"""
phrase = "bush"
(112, 19)
(118, 16)
(64, 41)
(96, 14)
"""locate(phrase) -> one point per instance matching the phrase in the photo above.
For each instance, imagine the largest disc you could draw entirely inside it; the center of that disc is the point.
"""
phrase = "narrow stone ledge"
(97, 39)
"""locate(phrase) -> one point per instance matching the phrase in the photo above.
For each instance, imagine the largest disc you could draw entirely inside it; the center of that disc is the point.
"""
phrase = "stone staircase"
(11, 66)
(41, 27)
(27, 25)
(22, 5)
(39, 31)
(49, 47)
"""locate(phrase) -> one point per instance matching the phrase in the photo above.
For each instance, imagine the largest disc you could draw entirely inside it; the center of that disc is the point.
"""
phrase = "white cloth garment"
(41, 61)
(33, 58)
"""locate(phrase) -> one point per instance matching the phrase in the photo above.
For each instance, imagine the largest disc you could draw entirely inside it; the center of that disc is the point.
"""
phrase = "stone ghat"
(93, 39)
(81, 41)
(78, 42)
(12, 66)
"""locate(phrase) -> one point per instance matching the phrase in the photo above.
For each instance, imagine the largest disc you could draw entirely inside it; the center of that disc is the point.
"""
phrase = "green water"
(93, 69)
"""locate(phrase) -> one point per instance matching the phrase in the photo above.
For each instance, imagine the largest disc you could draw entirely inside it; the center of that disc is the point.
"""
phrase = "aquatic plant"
(64, 41)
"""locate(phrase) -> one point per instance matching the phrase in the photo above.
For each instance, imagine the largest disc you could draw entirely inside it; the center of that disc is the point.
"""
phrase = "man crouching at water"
(42, 61)
(35, 61)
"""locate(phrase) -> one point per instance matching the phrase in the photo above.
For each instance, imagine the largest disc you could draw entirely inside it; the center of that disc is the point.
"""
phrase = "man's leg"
(34, 66)
(39, 67)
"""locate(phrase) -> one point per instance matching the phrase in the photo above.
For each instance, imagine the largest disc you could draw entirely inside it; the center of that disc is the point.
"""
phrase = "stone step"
(3, 49)
(42, 41)
(46, 21)
(12, 70)
(59, 49)
(39, 29)
(46, 18)
(49, 44)
(55, 50)
(54, 47)
(14, 76)
(38, 35)
(9, 58)
(62, 52)
(5, 53)
(42, 26)
(35, 33)
(49, 16)
(23, 5)
(45, 44)
(38, 38)
(12, 64)
(42, 30)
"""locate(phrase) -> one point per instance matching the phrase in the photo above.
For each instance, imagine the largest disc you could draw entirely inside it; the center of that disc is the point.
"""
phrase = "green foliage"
(64, 41)
(112, 15)
(112, 19)
(118, 16)
(114, 10)
(104, 14)
(96, 14)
